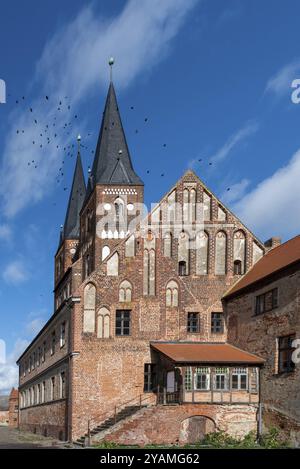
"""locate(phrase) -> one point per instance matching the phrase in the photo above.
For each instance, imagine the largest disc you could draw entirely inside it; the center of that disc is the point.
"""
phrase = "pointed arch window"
(172, 294)
(89, 304)
(183, 254)
(220, 253)
(125, 292)
(119, 213)
(149, 267)
(103, 323)
(202, 253)
(113, 265)
(105, 252)
(168, 242)
(239, 252)
(186, 199)
(193, 197)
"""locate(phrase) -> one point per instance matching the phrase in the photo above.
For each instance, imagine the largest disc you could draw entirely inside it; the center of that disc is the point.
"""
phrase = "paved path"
(13, 439)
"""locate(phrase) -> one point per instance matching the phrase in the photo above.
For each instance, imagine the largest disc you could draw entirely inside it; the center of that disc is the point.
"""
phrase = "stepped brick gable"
(138, 326)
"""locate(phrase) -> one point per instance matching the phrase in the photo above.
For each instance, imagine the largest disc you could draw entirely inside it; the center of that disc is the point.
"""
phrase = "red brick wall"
(47, 419)
(168, 424)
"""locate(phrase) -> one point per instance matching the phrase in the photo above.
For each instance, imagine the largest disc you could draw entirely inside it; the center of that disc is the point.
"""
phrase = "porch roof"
(205, 353)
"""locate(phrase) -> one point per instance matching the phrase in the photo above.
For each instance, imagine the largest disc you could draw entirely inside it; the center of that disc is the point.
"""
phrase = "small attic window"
(237, 267)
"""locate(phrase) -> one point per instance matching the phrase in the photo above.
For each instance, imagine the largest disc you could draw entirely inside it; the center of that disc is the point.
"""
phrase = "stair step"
(110, 422)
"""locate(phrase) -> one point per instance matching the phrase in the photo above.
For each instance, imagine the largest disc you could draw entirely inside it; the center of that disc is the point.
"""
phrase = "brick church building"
(136, 349)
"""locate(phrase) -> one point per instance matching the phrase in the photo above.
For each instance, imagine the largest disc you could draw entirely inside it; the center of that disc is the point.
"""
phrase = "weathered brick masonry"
(117, 291)
(261, 332)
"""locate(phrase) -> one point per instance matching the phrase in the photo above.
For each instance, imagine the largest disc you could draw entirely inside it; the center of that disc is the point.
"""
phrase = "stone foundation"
(182, 424)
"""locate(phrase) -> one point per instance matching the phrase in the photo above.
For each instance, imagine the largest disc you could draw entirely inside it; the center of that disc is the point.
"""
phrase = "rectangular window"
(38, 356)
(43, 396)
(221, 379)
(239, 379)
(149, 377)
(202, 379)
(33, 361)
(123, 322)
(38, 393)
(266, 302)
(217, 326)
(52, 389)
(188, 379)
(62, 334)
(193, 322)
(30, 364)
(53, 340)
(44, 352)
(62, 391)
(182, 268)
(285, 351)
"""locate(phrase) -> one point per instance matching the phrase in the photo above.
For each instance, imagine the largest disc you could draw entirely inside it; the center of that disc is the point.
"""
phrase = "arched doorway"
(193, 429)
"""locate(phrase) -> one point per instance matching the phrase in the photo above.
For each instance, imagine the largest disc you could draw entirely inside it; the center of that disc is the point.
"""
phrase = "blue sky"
(212, 77)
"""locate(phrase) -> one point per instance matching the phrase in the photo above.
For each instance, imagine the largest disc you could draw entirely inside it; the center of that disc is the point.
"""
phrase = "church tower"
(69, 235)
(114, 190)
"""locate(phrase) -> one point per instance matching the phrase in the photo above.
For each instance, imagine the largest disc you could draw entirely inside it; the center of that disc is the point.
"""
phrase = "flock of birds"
(47, 134)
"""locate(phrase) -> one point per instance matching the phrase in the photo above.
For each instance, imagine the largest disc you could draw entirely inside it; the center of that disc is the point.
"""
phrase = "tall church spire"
(112, 163)
(77, 196)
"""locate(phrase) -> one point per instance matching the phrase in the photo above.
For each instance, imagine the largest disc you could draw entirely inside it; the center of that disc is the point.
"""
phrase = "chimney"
(272, 242)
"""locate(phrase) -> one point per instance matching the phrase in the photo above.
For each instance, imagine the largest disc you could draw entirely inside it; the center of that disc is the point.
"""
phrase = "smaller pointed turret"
(77, 196)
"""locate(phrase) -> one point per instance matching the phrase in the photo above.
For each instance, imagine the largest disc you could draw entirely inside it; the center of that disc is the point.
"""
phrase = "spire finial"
(110, 63)
(78, 142)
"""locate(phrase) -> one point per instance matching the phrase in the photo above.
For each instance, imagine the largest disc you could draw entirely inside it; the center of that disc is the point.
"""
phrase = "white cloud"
(242, 134)
(15, 273)
(34, 326)
(74, 62)
(280, 83)
(272, 208)
(5, 232)
(236, 192)
(9, 370)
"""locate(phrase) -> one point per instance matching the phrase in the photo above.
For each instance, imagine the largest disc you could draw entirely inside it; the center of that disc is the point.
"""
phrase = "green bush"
(273, 440)
(269, 440)
(219, 440)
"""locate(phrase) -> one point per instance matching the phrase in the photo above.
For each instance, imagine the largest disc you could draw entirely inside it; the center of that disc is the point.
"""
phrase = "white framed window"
(202, 379)
(221, 381)
(188, 379)
(62, 339)
(239, 379)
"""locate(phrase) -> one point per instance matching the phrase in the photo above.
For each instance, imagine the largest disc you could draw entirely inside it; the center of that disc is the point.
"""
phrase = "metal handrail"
(113, 412)
(140, 398)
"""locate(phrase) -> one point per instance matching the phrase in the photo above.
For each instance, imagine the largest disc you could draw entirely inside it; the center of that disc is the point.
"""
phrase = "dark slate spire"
(112, 163)
(77, 196)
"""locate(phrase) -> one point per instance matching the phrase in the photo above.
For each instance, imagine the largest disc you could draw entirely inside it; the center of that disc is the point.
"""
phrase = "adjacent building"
(13, 408)
(263, 316)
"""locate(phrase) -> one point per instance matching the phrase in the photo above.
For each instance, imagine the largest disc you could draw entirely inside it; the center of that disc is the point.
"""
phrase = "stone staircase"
(126, 412)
